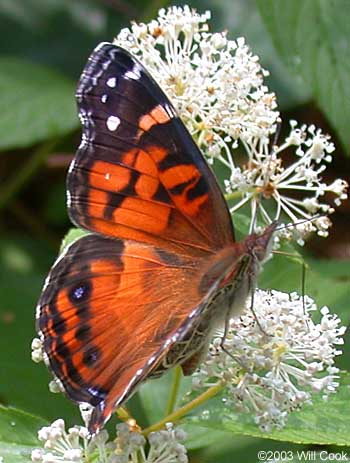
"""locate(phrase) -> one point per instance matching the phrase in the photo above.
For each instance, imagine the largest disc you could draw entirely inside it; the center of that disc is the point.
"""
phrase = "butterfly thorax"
(233, 273)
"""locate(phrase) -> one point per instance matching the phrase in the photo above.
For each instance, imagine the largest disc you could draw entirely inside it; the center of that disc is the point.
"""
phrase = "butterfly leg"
(256, 317)
(223, 338)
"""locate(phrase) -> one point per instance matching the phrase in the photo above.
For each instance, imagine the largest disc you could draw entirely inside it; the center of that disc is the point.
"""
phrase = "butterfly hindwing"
(109, 312)
(138, 174)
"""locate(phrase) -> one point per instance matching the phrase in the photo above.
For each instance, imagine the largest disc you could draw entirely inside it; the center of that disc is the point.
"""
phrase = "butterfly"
(160, 268)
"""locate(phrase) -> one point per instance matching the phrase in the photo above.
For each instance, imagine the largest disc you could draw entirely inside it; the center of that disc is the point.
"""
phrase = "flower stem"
(174, 390)
(233, 195)
(177, 414)
(123, 413)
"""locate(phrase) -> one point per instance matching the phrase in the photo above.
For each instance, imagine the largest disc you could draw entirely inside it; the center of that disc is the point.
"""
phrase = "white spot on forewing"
(107, 176)
(134, 73)
(69, 199)
(37, 311)
(113, 123)
(104, 98)
(100, 45)
(169, 110)
(71, 166)
(112, 82)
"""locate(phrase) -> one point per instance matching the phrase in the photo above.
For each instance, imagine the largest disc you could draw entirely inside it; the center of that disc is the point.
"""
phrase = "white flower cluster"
(296, 190)
(37, 350)
(216, 84)
(217, 87)
(74, 446)
(277, 363)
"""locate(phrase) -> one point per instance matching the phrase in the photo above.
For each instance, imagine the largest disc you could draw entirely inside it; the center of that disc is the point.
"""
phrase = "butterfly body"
(160, 269)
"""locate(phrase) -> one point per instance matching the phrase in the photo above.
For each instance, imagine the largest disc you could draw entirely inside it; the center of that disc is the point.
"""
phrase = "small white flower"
(293, 191)
(275, 368)
(64, 446)
(75, 446)
(37, 350)
(56, 386)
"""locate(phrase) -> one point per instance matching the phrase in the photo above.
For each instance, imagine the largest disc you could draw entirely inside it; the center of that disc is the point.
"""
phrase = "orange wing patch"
(98, 200)
(180, 180)
(109, 177)
(157, 115)
(146, 187)
(143, 215)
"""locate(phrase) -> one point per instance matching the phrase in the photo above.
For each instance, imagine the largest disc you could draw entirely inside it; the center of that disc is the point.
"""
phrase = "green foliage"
(322, 423)
(304, 44)
(34, 105)
(24, 263)
(18, 435)
(312, 38)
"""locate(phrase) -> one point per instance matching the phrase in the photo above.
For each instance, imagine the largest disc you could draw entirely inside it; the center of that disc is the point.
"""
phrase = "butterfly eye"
(80, 292)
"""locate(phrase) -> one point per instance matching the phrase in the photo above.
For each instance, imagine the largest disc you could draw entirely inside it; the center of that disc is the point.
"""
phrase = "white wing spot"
(69, 199)
(107, 176)
(112, 82)
(134, 73)
(104, 98)
(72, 164)
(113, 123)
(169, 110)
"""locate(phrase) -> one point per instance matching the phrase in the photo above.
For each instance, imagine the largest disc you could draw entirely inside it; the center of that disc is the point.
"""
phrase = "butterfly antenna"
(255, 214)
(300, 222)
(277, 134)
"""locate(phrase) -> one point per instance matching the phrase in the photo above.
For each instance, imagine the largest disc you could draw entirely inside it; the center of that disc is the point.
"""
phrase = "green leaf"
(24, 265)
(313, 39)
(154, 395)
(325, 281)
(35, 104)
(71, 236)
(18, 434)
(322, 423)
(233, 448)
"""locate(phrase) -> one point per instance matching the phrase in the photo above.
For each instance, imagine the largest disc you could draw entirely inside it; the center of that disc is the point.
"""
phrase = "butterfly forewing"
(138, 174)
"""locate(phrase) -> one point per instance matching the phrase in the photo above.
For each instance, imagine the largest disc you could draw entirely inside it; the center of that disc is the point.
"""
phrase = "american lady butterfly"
(161, 268)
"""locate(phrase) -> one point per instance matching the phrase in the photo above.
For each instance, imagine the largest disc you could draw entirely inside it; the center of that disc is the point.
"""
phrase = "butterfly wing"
(109, 312)
(138, 174)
